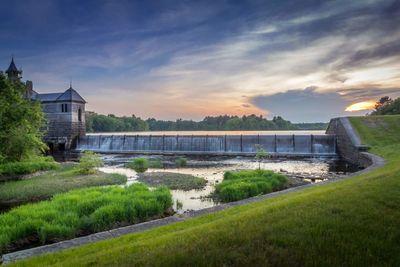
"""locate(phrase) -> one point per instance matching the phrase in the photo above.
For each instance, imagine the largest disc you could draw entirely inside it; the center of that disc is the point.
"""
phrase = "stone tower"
(13, 73)
(64, 111)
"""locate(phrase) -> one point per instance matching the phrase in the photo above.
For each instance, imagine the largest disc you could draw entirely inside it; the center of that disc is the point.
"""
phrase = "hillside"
(353, 222)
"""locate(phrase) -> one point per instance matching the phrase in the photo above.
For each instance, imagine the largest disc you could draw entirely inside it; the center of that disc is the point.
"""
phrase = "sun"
(365, 105)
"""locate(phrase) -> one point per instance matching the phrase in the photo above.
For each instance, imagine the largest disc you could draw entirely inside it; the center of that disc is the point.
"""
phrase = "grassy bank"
(354, 222)
(82, 211)
(244, 184)
(52, 182)
(12, 170)
(174, 181)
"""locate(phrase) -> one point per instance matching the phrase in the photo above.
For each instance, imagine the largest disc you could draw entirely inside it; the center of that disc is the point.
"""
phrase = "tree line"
(111, 123)
(387, 106)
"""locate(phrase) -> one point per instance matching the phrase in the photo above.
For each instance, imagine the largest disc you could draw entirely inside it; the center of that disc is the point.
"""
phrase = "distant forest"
(111, 123)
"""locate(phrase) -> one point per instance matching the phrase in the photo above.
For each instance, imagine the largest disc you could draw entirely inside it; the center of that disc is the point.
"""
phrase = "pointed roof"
(71, 95)
(52, 97)
(12, 68)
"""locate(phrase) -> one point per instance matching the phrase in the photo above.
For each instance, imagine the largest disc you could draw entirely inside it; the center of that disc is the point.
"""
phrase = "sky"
(306, 61)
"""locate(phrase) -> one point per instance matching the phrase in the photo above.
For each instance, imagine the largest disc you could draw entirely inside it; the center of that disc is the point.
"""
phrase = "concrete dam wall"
(301, 145)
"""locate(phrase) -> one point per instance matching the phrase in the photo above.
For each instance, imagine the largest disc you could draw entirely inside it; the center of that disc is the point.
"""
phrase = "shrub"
(85, 210)
(88, 162)
(138, 164)
(29, 166)
(244, 184)
(181, 162)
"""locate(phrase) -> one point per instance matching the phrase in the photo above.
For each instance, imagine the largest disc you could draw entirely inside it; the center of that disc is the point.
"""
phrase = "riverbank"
(350, 222)
(33, 188)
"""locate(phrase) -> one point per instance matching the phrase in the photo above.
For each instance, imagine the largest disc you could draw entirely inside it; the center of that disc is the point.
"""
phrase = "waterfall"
(234, 144)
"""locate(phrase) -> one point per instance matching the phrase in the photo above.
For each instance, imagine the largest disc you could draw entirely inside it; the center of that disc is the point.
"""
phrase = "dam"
(279, 145)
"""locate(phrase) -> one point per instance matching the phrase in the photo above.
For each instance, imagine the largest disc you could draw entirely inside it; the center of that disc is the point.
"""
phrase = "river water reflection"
(212, 169)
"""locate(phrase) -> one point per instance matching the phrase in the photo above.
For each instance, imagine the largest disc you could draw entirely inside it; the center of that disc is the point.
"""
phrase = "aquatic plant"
(244, 184)
(138, 164)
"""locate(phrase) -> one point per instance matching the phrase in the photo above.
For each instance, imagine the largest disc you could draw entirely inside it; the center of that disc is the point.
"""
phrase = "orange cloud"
(365, 105)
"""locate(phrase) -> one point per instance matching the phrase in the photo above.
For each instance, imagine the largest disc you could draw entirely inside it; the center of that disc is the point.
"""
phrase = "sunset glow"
(192, 59)
(366, 105)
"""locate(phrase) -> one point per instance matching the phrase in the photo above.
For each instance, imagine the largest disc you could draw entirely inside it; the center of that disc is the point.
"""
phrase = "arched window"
(79, 114)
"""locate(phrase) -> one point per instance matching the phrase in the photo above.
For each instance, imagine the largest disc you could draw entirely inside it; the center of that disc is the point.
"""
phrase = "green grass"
(353, 222)
(82, 211)
(27, 167)
(244, 184)
(174, 181)
(138, 164)
(50, 183)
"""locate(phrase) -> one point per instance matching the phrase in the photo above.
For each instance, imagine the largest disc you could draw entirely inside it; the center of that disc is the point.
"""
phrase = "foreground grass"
(79, 212)
(244, 184)
(174, 181)
(354, 222)
(50, 183)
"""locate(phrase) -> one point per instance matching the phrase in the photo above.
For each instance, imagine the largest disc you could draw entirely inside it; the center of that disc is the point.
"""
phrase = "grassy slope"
(46, 185)
(354, 222)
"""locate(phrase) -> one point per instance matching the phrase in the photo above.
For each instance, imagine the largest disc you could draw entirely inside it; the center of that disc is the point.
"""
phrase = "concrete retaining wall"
(348, 143)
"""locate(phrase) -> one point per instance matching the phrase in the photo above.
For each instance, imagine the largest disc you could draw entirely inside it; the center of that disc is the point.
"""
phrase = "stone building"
(65, 113)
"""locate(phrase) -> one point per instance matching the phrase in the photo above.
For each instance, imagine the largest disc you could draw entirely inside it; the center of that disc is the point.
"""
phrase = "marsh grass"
(80, 212)
(52, 182)
(140, 165)
(174, 181)
(239, 185)
(28, 166)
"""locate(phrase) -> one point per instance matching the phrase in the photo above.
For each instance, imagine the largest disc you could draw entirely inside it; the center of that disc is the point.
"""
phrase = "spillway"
(301, 145)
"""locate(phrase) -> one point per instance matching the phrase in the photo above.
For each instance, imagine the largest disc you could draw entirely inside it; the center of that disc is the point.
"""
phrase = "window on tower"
(79, 115)
(64, 107)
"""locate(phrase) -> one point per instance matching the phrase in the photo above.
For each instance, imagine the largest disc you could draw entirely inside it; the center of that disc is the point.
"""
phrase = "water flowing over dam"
(301, 145)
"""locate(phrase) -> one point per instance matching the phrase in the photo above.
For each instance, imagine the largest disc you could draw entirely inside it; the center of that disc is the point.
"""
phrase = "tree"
(383, 101)
(20, 122)
(387, 106)
(260, 154)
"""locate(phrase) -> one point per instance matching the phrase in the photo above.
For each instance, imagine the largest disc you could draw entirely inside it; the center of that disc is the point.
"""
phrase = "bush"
(181, 162)
(26, 167)
(244, 184)
(92, 209)
(88, 162)
(138, 164)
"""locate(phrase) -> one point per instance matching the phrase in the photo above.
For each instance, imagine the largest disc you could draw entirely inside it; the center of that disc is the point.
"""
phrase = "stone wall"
(349, 145)
(63, 129)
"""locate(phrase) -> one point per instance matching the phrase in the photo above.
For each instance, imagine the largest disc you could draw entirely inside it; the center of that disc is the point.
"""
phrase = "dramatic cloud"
(319, 105)
(189, 59)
